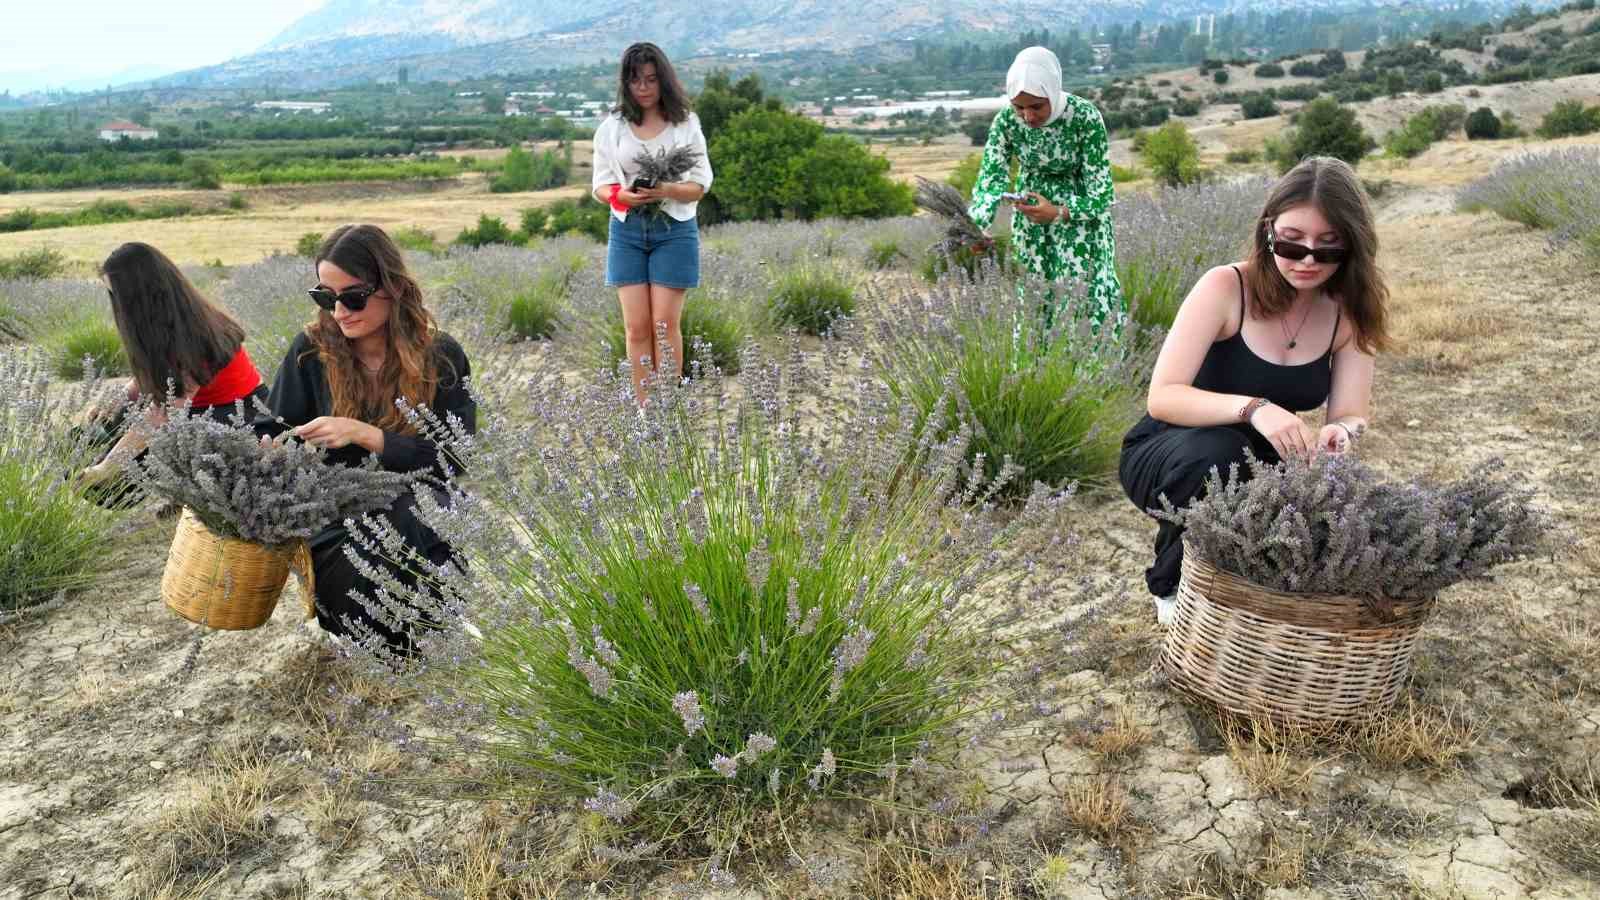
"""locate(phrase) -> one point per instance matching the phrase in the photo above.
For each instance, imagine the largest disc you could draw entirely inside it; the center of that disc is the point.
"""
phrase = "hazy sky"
(53, 42)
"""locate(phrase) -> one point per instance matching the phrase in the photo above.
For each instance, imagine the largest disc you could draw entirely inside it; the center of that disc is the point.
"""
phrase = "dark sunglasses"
(1296, 252)
(354, 299)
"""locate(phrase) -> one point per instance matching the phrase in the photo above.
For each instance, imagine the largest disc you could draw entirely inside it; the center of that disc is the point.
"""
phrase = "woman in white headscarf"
(1061, 229)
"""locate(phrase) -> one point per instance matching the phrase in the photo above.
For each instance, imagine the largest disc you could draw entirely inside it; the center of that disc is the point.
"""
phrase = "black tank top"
(1231, 367)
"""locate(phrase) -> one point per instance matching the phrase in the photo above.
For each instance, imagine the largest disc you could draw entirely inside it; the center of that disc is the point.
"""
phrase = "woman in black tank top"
(1293, 327)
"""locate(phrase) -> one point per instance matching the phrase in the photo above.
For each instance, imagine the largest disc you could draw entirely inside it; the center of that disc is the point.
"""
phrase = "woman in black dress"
(1292, 327)
(372, 344)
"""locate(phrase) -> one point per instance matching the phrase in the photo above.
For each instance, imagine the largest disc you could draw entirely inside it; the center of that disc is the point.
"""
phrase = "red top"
(234, 381)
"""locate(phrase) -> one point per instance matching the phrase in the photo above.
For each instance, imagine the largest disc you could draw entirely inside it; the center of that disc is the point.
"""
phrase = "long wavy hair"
(1332, 187)
(409, 368)
(172, 333)
(674, 100)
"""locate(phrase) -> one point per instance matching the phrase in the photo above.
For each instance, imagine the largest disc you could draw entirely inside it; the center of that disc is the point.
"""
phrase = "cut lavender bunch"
(272, 494)
(947, 203)
(1333, 527)
(664, 166)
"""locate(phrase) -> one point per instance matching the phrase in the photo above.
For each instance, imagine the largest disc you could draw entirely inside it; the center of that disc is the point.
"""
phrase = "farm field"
(139, 760)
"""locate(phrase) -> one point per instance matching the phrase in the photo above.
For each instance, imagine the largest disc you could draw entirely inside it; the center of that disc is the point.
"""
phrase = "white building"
(294, 106)
(123, 130)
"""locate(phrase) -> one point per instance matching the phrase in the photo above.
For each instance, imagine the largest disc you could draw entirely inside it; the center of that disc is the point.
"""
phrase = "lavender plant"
(948, 204)
(719, 606)
(271, 493)
(516, 294)
(1044, 403)
(1168, 239)
(269, 300)
(812, 296)
(50, 535)
(1557, 190)
(1332, 526)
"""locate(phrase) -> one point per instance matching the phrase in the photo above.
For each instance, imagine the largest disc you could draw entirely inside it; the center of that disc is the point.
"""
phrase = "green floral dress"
(1066, 163)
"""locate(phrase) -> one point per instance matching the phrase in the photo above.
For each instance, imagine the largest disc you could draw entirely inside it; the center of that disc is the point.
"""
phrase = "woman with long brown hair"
(372, 347)
(1293, 327)
(181, 348)
(653, 247)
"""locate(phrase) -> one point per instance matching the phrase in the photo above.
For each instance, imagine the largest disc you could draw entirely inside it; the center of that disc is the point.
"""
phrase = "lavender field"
(964, 703)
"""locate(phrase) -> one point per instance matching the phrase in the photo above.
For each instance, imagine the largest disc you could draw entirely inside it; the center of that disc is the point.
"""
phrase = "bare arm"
(1202, 320)
(1350, 402)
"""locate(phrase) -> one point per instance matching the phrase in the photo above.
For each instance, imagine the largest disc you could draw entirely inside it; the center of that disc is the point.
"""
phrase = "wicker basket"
(226, 583)
(1297, 658)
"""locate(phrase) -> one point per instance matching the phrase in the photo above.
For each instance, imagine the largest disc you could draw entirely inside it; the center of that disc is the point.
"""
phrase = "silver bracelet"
(1349, 434)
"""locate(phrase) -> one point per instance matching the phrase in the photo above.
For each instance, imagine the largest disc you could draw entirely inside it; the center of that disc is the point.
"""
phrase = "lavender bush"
(812, 296)
(1333, 527)
(70, 318)
(1043, 404)
(1557, 190)
(271, 494)
(513, 293)
(708, 608)
(51, 537)
(1168, 239)
(269, 300)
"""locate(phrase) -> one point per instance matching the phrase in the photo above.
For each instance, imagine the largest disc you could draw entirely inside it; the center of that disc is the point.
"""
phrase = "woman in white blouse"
(653, 252)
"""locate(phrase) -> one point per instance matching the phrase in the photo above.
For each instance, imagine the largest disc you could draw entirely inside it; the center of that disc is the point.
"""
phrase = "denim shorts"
(653, 247)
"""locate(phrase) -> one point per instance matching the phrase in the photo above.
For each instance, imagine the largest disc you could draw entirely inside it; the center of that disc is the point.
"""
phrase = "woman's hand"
(680, 191)
(1334, 439)
(1288, 435)
(333, 432)
(1038, 210)
(95, 474)
(634, 198)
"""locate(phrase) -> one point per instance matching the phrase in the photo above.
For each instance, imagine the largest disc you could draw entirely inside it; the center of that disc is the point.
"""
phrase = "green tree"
(516, 172)
(494, 103)
(755, 153)
(1258, 106)
(1171, 155)
(977, 131)
(1326, 127)
(837, 177)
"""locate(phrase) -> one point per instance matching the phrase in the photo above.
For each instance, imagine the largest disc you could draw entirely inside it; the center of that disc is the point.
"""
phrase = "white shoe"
(1166, 609)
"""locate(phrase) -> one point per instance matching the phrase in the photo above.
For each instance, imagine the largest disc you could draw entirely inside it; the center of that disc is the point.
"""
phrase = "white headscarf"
(1036, 71)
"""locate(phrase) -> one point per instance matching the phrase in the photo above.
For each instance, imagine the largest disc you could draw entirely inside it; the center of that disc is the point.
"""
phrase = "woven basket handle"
(301, 563)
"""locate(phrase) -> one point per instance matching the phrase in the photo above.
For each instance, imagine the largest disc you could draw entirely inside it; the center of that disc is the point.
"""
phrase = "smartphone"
(1021, 197)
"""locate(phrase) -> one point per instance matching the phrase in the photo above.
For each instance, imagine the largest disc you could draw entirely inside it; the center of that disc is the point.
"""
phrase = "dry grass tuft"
(220, 818)
(1097, 807)
(1210, 877)
(1412, 735)
(1119, 739)
(895, 871)
(497, 858)
(1269, 756)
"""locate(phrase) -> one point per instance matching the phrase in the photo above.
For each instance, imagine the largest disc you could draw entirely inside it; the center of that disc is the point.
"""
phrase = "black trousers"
(337, 576)
(1174, 461)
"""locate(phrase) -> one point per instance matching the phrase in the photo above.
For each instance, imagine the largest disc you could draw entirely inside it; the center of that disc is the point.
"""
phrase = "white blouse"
(615, 146)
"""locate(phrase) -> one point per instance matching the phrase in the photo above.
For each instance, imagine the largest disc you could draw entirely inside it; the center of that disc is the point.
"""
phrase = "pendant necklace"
(1295, 338)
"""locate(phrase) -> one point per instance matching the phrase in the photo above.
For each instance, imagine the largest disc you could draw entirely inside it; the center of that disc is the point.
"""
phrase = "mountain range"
(351, 41)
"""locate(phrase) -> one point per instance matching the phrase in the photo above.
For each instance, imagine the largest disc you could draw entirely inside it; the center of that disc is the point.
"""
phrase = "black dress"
(1160, 459)
(300, 394)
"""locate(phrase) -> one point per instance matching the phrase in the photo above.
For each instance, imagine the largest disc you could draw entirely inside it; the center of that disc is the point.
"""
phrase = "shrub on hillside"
(1324, 127)
(1258, 106)
(1483, 125)
(489, 230)
(1269, 70)
(31, 265)
(1171, 155)
(308, 244)
(1568, 118)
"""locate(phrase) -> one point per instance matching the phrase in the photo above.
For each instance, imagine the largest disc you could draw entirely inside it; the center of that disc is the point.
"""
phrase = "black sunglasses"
(354, 299)
(1296, 252)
